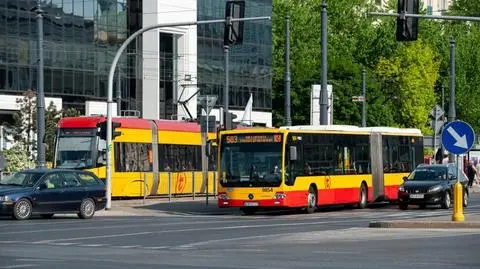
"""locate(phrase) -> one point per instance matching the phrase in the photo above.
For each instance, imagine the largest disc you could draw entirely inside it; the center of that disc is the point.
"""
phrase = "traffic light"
(233, 34)
(228, 119)
(407, 27)
(102, 129)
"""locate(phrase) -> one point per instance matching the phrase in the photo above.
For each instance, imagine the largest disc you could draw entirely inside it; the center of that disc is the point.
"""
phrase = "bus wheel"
(311, 200)
(248, 211)
(363, 197)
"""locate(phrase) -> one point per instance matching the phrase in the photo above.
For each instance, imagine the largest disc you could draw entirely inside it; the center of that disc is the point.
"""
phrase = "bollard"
(169, 186)
(458, 203)
(193, 185)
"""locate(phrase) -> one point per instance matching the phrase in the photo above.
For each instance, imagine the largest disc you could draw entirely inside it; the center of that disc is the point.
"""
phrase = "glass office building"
(249, 63)
(80, 41)
(82, 36)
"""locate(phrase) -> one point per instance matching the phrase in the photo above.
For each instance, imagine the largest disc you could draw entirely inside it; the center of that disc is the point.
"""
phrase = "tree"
(25, 122)
(17, 159)
(412, 74)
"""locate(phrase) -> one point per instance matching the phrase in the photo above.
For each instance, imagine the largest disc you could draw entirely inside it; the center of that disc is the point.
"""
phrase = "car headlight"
(435, 188)
(5, 198)
(401, 188)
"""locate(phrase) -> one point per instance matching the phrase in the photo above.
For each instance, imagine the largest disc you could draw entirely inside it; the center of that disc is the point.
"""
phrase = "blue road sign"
(458, 137)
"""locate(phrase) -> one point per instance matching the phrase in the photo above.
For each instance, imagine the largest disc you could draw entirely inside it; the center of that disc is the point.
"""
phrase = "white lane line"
(18, 266)
(92, 245)
(90, 237)
(10, 242)
(62, 244)
(194, 230)
(134, 246)
(123, 226)
(154, 248)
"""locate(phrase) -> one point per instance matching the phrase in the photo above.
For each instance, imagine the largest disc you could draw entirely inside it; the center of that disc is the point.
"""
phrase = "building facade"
(160, 75)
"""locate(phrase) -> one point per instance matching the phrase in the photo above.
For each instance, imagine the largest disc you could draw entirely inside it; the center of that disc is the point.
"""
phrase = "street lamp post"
(40, 92)
(364, 104)
(324, 92)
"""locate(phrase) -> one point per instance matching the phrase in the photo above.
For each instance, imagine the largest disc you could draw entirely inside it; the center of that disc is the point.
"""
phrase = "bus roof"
(353, 128)
(130, 123)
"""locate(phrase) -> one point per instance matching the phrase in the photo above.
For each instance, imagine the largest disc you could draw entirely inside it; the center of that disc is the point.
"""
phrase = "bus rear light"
(279, 195)
(222, 196)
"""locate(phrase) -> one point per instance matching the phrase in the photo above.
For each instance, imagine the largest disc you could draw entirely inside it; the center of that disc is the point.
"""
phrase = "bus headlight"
(279, 195)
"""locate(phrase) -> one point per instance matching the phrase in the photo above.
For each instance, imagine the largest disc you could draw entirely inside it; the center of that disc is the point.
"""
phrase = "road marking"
(154, 248)
(18, 266)
(62, 244)
(92, 245)
(194, 230)
(90, 237)
(134, 246)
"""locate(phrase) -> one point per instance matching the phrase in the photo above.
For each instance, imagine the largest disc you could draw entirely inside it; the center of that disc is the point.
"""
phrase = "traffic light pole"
(110, 86)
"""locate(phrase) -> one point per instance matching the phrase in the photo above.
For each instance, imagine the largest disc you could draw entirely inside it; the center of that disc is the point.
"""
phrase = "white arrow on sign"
(461, 140)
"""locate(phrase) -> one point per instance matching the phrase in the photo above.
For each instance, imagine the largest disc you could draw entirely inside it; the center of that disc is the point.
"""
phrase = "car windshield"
(429, 173)
(75, 152)
(23, 179)
(251, 164)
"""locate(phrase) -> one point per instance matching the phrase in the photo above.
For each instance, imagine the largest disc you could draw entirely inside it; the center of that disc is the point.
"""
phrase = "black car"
(50, 191)
(432, 185)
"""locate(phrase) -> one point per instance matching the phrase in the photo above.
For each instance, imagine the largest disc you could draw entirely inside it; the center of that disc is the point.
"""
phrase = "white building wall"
(9, 102)
(167, 11)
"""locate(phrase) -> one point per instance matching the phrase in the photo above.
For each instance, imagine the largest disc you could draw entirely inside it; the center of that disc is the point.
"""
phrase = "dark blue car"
(50, 191)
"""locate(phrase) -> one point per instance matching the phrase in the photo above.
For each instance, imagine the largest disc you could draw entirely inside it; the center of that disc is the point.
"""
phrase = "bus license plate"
(250, 204)
(416, 196)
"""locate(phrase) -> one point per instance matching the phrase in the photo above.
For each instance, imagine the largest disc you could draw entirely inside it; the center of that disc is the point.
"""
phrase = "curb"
(424, 224)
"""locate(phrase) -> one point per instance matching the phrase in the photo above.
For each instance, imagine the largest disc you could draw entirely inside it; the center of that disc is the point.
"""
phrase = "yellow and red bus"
(311, 166)
(165, 154)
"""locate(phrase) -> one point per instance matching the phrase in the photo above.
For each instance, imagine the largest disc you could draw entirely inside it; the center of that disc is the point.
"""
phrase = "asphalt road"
(331, 238)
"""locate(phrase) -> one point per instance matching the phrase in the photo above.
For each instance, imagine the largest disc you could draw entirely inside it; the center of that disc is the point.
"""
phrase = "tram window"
(132, 157)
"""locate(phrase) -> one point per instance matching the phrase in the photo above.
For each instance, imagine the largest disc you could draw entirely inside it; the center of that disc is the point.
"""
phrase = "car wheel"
(363, 197)
(47, 216)
(87, 209)
(311, 200)
(465, 198)
(446, 200)
(403, 206)
(22, 209)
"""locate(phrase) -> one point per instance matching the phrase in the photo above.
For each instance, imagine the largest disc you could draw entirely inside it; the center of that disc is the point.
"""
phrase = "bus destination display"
(254, 138)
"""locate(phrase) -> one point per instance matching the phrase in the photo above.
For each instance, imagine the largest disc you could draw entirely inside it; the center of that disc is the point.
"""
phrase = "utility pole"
(288, 118)
(40, 92)
(364, 104)
(451, 107)
(324, 91)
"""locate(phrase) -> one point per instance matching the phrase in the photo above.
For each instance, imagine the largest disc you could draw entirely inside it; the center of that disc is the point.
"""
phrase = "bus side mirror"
(405, 178)
(209, 149)
(293, 153)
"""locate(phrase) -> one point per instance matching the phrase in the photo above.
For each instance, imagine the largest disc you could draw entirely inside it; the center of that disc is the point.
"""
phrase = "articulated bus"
(164, 153)
(310, 166)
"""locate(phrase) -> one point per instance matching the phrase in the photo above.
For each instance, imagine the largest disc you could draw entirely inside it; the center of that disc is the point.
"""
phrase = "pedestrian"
(471, 172)
(477, 167)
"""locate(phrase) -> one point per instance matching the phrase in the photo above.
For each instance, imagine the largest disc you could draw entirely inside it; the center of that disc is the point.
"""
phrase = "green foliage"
(412, 73)
(17, 159)
(404, 79)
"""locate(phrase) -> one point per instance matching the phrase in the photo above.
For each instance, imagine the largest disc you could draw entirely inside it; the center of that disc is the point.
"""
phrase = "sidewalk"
(163, 207)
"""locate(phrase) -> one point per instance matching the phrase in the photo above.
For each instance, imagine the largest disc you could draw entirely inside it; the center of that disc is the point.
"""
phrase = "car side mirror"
(42, 186)
(293, 153)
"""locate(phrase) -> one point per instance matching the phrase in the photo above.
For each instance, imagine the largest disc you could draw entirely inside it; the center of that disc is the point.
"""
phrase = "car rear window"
(88, 180)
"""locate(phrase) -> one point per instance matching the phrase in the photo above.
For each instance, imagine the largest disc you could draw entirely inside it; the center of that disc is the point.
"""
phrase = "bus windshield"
(75, 152)
(251, 160)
